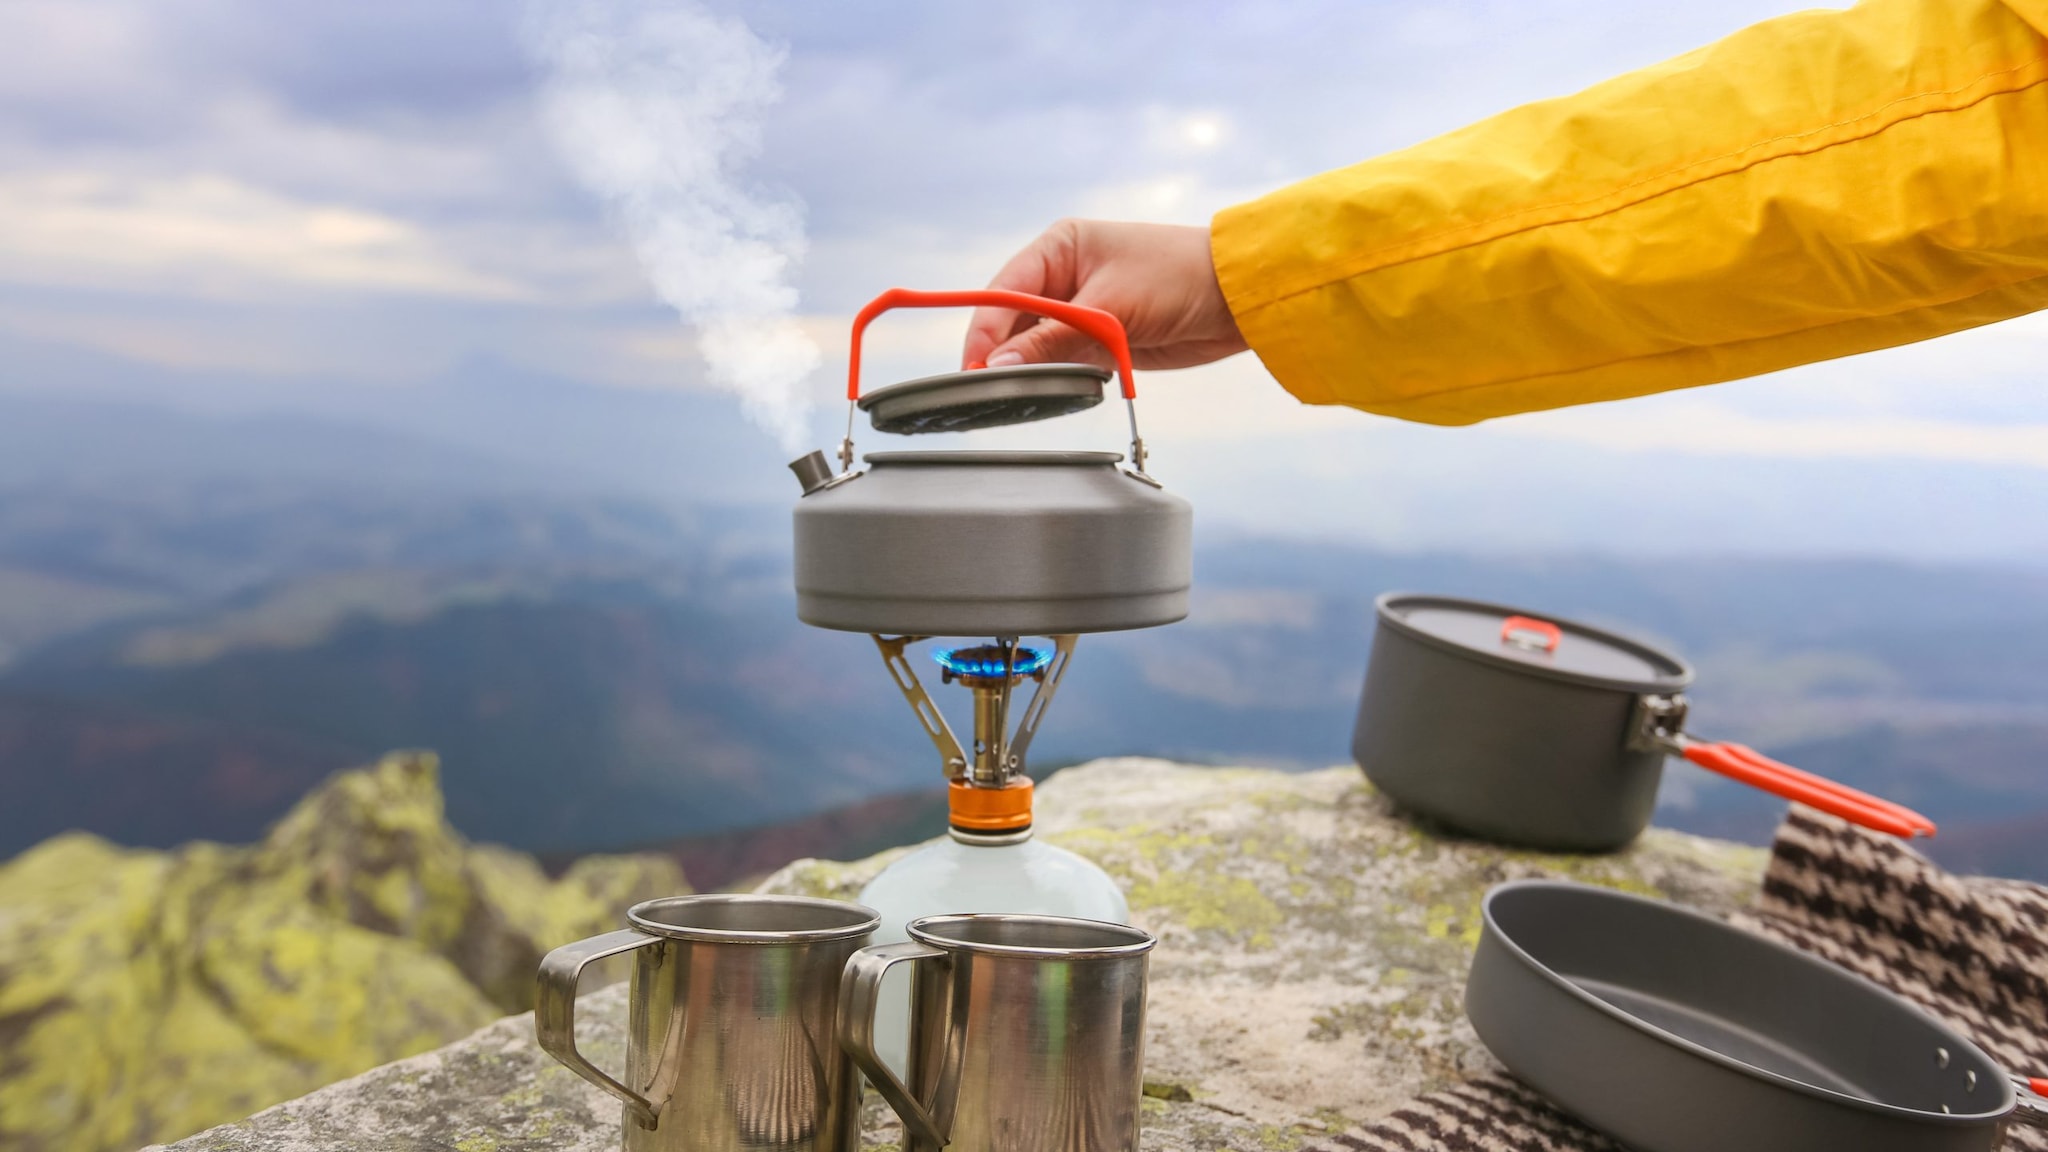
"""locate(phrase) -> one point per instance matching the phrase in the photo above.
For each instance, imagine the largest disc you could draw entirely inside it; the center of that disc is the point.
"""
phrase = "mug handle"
(860, 986)
(554, 1011)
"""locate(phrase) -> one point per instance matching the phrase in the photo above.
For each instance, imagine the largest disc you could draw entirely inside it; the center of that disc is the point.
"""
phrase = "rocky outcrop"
(1313, 949)
(145, 995)
(1313, 943)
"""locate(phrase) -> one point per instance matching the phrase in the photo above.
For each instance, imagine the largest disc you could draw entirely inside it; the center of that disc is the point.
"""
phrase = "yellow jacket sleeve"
(1818, 185)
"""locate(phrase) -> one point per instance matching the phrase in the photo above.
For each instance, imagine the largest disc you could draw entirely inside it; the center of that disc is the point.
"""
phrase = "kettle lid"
(984, 398)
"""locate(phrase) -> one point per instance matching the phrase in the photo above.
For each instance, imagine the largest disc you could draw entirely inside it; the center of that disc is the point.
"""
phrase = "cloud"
(217, 236)
(341, 196)
(1706, 428)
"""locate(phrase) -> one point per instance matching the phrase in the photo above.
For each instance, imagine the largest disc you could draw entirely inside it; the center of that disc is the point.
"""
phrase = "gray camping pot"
(1546, 733)
(968, 543)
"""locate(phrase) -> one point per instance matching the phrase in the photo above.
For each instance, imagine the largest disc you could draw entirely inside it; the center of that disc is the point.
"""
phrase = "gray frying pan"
(1674, 1032)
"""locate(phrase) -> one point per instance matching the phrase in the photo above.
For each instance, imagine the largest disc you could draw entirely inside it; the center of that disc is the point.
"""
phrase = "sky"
(353, 213)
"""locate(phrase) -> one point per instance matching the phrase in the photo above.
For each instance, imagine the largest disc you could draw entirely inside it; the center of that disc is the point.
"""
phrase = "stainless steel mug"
(730, 1036)
(1026, 1033)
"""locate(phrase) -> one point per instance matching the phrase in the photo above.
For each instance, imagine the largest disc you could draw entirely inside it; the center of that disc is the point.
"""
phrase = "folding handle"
(1105, 328)
(860, 987)
(1745, 764)
(554, 1012)
(2031, 1106)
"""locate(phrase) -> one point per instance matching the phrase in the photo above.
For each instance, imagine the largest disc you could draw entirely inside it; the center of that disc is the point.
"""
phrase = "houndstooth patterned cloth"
(1973, 951)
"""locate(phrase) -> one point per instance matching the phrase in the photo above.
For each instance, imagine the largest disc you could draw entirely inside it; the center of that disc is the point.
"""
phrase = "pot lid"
(984, 398)
(1527, 641)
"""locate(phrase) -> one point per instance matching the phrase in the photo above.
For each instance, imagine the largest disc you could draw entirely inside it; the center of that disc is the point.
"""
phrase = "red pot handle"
(1740, 762)
(2033, 1113)
(1105, 328)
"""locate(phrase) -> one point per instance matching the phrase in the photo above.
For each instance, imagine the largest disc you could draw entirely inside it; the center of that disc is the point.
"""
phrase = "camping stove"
(992, 672)
(1011, 546)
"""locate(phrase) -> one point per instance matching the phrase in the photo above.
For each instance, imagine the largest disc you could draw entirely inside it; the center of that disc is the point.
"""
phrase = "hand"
(1156, 278)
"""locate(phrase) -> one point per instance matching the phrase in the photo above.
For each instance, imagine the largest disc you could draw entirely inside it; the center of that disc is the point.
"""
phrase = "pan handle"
(1746, 764)
(2031, 1106)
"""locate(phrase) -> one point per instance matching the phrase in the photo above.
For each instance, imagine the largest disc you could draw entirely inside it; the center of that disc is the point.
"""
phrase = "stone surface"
(146, 995)
(1313, 948)
(1313, 944)
(492, 1092)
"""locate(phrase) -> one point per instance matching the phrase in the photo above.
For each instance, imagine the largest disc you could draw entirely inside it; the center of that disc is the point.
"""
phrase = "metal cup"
(730, 1041)
(1026, 1033)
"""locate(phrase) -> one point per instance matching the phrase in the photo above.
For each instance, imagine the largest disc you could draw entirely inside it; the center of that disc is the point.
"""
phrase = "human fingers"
(1050, 342)
(1045, 267)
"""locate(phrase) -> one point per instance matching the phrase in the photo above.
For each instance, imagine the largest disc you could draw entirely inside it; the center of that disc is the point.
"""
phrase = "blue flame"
(986, 661)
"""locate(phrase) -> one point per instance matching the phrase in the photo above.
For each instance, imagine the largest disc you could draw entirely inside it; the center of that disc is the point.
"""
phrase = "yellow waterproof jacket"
(1821, 184)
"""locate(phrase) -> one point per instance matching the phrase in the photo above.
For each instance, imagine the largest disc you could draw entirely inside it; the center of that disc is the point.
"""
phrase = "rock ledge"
(1312, 958)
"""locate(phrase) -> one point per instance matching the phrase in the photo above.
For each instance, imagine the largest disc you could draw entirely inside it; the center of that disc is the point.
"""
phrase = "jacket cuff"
(1248, 244)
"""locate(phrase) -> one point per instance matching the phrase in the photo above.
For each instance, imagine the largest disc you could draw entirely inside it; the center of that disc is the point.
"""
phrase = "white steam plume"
(657, 107)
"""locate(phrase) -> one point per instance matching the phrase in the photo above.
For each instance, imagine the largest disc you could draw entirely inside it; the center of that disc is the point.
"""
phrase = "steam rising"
(657, 108)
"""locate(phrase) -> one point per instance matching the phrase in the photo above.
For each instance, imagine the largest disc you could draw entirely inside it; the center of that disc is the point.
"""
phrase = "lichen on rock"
(1313, 941)
(1312, 958)
(145, 995)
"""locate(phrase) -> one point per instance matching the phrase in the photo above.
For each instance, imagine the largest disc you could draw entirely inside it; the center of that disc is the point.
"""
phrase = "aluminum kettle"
(976, 543)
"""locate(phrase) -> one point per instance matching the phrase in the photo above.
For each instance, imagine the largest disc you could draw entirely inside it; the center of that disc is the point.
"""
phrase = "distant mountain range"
(605, 673)
(189, 644)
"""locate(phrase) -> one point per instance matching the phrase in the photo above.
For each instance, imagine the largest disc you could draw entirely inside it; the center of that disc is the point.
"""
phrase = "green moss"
(1196, 880)
(1278, 1137)
(146, 995)
(1211, 902)
(1167, 1090)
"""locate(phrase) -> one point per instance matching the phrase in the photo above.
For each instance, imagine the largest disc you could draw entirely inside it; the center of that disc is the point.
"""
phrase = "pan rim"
(2002, 1083)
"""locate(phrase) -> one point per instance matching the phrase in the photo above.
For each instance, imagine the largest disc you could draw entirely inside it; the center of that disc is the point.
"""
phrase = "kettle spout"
(812, 471)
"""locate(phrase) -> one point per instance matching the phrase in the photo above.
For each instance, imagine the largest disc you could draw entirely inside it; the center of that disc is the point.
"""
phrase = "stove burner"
(985, 661)
(992, 672)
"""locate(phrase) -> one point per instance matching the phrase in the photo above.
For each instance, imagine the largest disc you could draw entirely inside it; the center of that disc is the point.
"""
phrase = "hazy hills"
(604, 673)
(187, 646)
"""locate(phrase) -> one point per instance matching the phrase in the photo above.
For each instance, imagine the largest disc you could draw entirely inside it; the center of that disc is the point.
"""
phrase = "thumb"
(1049, 342)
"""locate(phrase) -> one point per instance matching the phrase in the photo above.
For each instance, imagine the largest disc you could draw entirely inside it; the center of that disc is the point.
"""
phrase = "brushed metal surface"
(1026, 1032)
(730, 1030)
(992, 544)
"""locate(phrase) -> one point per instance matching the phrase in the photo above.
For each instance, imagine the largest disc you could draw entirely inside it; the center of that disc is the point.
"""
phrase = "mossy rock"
(1313, 949)
(1313, 941)
(146, 995)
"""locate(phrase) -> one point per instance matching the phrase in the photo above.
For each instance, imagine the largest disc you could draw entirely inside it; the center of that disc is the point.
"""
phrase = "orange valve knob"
(1004, 809)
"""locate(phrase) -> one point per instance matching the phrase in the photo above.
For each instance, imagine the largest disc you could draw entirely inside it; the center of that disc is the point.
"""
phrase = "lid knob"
(1530, 634)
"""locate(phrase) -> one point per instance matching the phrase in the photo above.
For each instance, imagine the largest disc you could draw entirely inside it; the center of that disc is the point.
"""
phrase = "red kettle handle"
(1746, 764)
(1105, 328)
